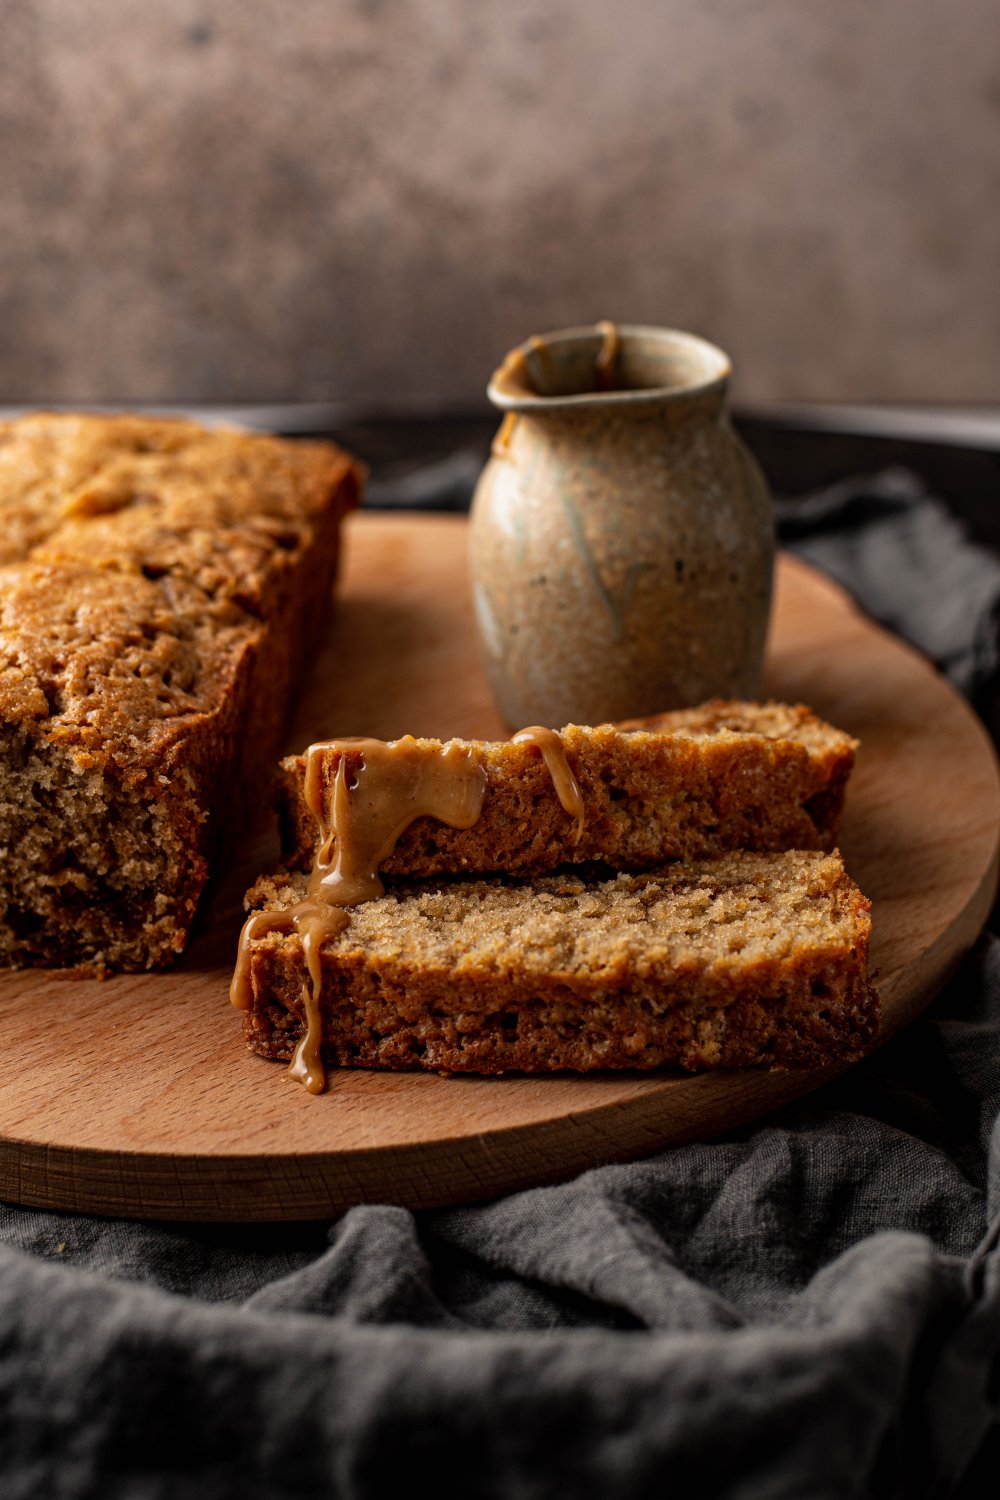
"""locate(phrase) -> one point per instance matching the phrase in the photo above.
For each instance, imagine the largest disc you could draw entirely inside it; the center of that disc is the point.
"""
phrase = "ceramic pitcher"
(621, 539)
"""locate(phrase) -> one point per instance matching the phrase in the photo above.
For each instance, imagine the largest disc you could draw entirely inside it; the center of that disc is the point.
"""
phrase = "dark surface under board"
(432, 462)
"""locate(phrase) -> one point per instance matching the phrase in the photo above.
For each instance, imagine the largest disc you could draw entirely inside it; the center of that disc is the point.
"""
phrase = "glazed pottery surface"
(622, 540)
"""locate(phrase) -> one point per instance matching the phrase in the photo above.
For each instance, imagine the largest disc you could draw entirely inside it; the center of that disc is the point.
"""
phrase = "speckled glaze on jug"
(621, 538)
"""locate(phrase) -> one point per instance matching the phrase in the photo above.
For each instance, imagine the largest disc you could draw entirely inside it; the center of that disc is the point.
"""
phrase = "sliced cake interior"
(741, 959)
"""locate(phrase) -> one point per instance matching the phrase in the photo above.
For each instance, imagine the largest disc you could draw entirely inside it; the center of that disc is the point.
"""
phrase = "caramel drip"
(392, 784)
(567, 788)
(500, 447)
(606, 363)
(314, 922)
(317, 922)
(379, 789)
(514, 370)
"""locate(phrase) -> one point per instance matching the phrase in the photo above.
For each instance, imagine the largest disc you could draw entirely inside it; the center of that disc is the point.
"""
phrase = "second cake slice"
(685, 785)
(743, 959)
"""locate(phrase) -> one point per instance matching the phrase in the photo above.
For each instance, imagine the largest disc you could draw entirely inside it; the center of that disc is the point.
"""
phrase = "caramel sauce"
(567, 788)
(379, 788)
(388, 787)
(515, 374)
(606, 363)
(314, 921)
(500, 446)
(514, 370)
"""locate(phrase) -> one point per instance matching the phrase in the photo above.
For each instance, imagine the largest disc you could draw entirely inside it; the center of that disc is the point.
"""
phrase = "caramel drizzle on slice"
(567, 788)
(314, 921)
(606, 363)
(379, 789)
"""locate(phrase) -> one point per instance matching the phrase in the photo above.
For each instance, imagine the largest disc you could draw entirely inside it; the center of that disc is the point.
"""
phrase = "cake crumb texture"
(160, 584)
(741, 959)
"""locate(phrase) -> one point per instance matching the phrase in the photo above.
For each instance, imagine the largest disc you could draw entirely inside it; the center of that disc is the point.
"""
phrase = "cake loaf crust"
(740, 960)
(684, 785)
(160, 585)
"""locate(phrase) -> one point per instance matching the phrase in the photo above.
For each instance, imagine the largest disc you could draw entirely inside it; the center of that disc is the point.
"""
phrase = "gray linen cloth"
(809, 1307)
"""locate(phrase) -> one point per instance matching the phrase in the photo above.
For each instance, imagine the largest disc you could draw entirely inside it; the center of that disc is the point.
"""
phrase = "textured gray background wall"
(372, 199)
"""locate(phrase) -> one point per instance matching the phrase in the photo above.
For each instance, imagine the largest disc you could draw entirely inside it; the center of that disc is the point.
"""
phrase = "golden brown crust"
(685, 785)
(156, 581)
(743, 959)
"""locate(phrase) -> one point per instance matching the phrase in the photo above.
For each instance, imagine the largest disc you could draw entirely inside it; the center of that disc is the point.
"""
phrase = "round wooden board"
(136, 1097)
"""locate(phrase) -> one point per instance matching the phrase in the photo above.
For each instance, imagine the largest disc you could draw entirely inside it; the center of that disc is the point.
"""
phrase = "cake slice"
(746, 958)
(161, 585)
(684, 785)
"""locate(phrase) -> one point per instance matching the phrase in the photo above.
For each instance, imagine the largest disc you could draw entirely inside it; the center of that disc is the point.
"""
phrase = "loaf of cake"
(160, 587)
(747, 958)
(684, 785)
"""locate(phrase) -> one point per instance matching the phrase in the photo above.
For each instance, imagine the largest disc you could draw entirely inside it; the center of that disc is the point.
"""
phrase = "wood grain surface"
(135, 1096)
